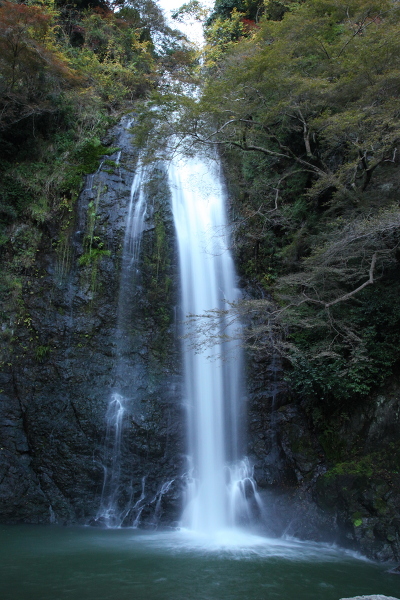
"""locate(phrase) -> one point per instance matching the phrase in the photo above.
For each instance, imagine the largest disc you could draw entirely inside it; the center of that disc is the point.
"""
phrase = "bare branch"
(361, 287)
(286, 152)
(323, 48)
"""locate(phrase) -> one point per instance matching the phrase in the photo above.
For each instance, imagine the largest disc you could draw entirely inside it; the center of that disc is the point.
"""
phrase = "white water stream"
(110, 513)
(221, 490)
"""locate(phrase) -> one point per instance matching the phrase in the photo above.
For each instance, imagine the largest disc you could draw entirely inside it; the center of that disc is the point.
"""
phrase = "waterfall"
(221, 490)
(111, 513)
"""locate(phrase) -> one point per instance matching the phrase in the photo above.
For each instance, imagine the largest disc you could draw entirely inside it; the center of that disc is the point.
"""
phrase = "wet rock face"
(332, 481)
(366, 510)
(286, 455)
(362, 490)
(284, 450)
(60, 369)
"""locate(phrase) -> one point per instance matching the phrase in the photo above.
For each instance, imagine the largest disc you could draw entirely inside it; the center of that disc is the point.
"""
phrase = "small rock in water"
(395, 571)
(373, 597)
(98, 522)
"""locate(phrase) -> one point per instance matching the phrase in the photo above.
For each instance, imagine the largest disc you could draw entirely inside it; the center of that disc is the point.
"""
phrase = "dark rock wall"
(59, 369)
(338, 481)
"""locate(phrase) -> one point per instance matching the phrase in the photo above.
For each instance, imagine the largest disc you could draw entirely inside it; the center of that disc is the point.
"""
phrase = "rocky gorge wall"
(59, 370)
(327, 470)
(338, 481)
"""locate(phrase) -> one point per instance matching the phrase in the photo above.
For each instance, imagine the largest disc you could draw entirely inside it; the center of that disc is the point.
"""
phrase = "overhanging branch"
(361, 287)
(285, 151)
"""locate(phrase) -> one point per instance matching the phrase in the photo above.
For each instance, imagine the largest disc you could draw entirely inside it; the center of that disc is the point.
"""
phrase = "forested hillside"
(68, 73)
(308, 103)
(302, 102)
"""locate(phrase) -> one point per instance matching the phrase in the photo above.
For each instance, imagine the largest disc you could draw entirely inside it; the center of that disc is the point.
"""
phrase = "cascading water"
(221, 491)
(111, 513)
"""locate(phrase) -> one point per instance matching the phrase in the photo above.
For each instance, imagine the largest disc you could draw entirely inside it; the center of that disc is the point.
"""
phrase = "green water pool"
(72, 563)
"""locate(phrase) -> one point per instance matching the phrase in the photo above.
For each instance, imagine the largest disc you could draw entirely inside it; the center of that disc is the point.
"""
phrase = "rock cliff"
(60, 348)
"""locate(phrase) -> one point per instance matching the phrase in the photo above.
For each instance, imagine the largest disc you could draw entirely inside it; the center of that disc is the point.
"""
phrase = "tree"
(316, 85)
(191, 9)
(223, 9)
(33, 70)
(304, 113)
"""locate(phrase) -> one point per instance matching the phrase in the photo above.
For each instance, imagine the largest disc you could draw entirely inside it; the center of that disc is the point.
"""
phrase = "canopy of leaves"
(192, 9)
(32, 67)
(250, 9)
(66, 73)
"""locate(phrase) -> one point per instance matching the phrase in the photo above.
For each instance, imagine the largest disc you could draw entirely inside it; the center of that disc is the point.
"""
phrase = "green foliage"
(41, 353)
(221, 36)
(223, 9)
(15, 197)
(303, 110)
(382, 464)
(92, 256)
(157, 265)
(314, 105)
(86, 159)
(275, 9)
(347, 352)
(34, 70)
(89, 154)
(93, 245)
(191, 9)
(65, 71)
(90, 262)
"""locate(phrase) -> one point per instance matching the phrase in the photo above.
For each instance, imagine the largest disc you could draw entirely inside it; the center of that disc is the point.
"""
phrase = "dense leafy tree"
(33, 70)
(315, 83)
(250, 9)
(192, 9)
